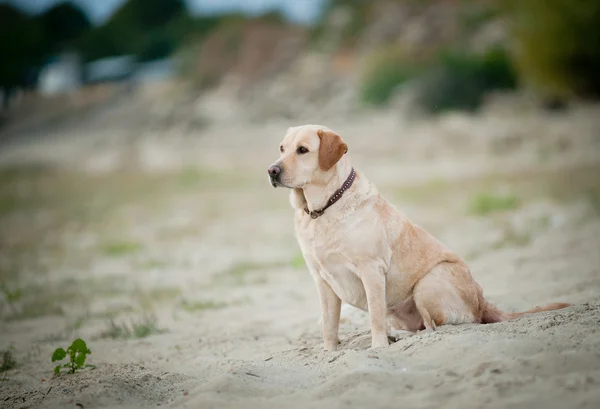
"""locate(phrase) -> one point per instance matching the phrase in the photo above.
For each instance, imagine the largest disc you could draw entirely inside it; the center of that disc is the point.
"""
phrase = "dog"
(361, 250)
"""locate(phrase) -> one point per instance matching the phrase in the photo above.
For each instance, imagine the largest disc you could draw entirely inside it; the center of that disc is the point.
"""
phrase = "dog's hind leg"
(447, 295)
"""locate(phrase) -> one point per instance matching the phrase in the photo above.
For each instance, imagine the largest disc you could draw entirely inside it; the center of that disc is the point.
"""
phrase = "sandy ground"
(170, 254)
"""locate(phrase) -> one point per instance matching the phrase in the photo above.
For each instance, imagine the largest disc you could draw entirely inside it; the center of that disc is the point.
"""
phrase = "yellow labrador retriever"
(361, 250)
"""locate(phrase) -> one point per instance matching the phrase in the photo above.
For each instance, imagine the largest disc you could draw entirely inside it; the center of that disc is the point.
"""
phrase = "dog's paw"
(427, 331)
(331, 346)
(379, 343)
(397, 335)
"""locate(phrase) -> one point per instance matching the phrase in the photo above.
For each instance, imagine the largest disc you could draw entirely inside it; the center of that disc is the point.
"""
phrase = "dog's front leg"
(330, 312)
(373, 280)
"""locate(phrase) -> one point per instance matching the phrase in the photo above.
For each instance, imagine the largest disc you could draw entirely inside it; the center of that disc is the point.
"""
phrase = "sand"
(185, 227)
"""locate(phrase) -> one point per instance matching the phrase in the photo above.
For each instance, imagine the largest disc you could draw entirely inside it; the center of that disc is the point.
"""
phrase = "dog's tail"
(492, 314)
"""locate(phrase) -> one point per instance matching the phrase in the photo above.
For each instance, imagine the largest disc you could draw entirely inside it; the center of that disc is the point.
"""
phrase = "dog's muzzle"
(274, 175)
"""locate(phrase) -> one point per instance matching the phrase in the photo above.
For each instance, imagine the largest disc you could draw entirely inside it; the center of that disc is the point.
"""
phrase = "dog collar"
(335, 197)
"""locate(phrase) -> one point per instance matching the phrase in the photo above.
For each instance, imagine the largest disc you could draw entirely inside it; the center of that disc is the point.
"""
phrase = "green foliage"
(64, 22)
(298, 261)
(385, 70)
(358, 11)
(8, 360)
(11, 295)
(34, 39)
(474, 15)
(206, 71)
(557, 45)
(460, 81)
(594, 199)
(148, 14)
(202, 305)
(142, 328)
(159, 46)
(153, 29)
(148, 29)
(120, 248)
(27, 46)
(77, 353)
(483, 204)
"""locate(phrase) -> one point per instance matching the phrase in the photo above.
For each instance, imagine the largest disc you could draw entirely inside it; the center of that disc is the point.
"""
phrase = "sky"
(301, 11)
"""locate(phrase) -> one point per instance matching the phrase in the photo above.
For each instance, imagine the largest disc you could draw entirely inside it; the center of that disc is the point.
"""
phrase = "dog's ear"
(331, 150)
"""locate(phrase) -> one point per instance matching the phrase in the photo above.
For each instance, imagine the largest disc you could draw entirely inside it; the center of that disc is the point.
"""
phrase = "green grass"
(483, 204)
(31, 302)
(8, 360)
(113, 311)
(53, 337)
(11, 295)
(424, 192)
(513, 238)
(298, 261)
(594, 198)
(66, 297)
(240, 273)
(152, 264)
(193, 176)
(147, 299)
(120, 248)
(136, 328)
(202, 305)
(8, 204)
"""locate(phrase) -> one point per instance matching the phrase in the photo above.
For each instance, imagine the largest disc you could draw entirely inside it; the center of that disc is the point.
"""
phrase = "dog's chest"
(320, 240)
(333, 256)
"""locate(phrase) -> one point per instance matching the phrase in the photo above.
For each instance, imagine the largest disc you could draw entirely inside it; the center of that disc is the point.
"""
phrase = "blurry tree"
(356, 13)
(386, 68)
(149, 29)
(460, 81)
(63, 23)
(148, 14)
(273, 17)
(100, 42)
(22, 48)
(557, 45)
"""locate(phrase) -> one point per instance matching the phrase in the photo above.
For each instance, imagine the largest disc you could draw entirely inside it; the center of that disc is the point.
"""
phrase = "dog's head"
(308, 154)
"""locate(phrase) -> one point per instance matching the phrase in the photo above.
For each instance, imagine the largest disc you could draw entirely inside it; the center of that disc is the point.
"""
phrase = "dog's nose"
(274, 171)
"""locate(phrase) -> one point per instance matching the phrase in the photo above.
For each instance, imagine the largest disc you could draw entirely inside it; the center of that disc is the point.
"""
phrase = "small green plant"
(77, 353)
(484, 203)
(8, 360)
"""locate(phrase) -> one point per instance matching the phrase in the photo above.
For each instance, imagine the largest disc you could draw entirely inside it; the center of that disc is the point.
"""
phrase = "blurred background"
(289, 59)
(135, 137)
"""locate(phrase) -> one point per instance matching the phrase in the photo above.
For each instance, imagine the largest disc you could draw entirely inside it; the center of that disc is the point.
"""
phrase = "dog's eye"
(281, 149)
(301, 150)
